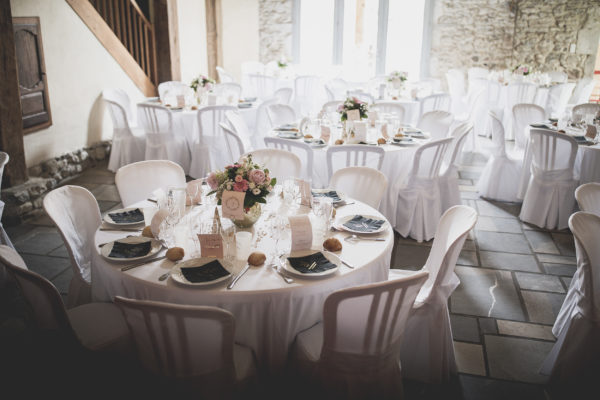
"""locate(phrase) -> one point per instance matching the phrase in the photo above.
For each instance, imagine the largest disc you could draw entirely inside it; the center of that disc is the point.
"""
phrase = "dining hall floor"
(513, 276)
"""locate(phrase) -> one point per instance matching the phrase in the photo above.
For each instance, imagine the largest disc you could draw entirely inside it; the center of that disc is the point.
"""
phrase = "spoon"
(164, 276)
(354, 238)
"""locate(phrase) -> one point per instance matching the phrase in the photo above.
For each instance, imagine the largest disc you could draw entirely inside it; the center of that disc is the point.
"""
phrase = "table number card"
(353, 115)
(305, 192)
(211, 244)
(301, 232)
(180, 100)
(360, 132)
(232, 204)
(325, 133)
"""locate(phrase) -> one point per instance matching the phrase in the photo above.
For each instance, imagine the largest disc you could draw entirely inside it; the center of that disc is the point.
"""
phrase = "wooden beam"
(111, 42)
(166, 35)
(213, 36)
(11, 124)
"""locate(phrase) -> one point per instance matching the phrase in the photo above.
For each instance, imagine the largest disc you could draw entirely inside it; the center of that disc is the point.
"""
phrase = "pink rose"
(241, 186)
(212, 180)
(238, 178)
(257, 176)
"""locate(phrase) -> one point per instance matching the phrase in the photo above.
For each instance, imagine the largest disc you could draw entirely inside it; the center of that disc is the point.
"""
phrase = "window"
(316, 27)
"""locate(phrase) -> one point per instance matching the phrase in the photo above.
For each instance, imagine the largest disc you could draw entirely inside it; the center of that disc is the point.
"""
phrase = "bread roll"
(339, 141)
(256, 258)
(381, 141)
(332, 244)
(147, 232)
(175, 253)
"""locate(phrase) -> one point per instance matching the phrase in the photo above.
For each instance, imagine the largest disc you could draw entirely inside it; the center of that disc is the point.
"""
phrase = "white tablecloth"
(268, 312)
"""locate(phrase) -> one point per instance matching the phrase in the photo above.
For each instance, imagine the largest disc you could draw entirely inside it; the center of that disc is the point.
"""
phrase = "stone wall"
(275, 30)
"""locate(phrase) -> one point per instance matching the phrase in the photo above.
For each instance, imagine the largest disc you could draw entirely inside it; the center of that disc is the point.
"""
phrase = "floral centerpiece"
(201, 85)
(352, 103)
(522, 69)
(397, 78)
(243, 176)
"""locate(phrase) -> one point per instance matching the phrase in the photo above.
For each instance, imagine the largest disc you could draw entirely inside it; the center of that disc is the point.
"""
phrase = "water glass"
(228, 232)
(291, 190)
(176, 197)
(243, 241)
(323, 208)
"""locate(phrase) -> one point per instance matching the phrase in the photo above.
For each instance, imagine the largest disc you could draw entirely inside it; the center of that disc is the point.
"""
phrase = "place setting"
(124, 219)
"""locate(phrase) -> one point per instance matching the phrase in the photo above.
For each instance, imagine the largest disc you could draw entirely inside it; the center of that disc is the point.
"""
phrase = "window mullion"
(382, 28)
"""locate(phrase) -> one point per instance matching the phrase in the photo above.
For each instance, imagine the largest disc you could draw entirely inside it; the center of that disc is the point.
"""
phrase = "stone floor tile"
(533, 331)
(467, 257)
(487, 325)
(565, 243)
(469, 358)
(465, 182)
(39, 241)
(409, 257)
(464, 329)
(473, 175)
(412, 242)
(559, 269)
(468, 194)
(542, 282)
(107, 205)
(542, 307)
(63, 280)
(486, 208)
(107, 193)
(469, 245)
(42, 220)
(541, 242)
(567, 282)
(16, 232)
(60, 252)
(516, 359)
(48, 267)
(508, 225)
(478, 388)
(468, 189)
(504, 242)
(551, 258)
(486, 293)
(508, 261)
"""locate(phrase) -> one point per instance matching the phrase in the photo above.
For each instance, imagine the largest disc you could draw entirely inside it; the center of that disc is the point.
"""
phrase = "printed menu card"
(301, 232)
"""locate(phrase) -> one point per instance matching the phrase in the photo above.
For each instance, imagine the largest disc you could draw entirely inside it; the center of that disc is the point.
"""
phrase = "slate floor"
(513, 280)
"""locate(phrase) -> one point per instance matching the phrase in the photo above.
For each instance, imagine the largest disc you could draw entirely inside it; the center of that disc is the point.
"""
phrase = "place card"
(325, 133)
(360, 132)
(180, 100)
(305, 192)
(384, 131)
(211, 245)
(232, 204)
(373, 116)
(301, 232)
(353, 115)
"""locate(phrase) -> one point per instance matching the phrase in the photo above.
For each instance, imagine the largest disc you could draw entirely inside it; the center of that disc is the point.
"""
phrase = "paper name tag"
(305, 192)
(325, 133)
(353, 115)
(301, 232)
(384, 131)
(360, 132)
(232, 204)
(180, 100)
(211, 244)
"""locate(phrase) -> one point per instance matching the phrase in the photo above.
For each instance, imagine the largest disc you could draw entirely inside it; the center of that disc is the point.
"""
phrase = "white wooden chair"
(281, 163)
(588, 197)
(302, 150)
(352, 155)
(364, 184)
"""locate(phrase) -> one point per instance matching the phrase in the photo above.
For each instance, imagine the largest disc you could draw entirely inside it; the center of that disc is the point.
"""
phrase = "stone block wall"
(275, 30)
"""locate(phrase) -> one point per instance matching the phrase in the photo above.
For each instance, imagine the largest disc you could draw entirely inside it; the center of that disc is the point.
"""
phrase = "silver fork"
(285, 278)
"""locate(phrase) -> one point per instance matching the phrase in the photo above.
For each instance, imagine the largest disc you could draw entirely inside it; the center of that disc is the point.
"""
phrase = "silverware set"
(238, 276)
(130, 266)
(312, 266)
(122, 229)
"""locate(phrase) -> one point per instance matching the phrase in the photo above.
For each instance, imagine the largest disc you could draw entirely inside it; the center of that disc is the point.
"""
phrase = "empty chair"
(283, 95)
(330, 107)
(427, 353)
(263, 124)
(419, 204)
(128, 142)
(336, 89)
(229, 92)
(449, 191)
(4, 239)
(162, 142)
(583, 91)
(224, 76)
(577, 326)
(169, 92)
(549, 200)
(281, 163)
(523, 116)
(582, 110)
(206, 154)
(234, 147)
(558, 97)
(477, 105)
(517, 93)
(436, 123)
(477, 73)
(558, 76)
(308, 95)
(352, 156)
(364, 184)
(75, 213)
(192, 344)
(95, 326)
(390, 107)
(588, 197)
(280, 114)
(435, 102)
(362, 96)
(354, 352)
(301, 149)
(262, 86)
(239, 127)
(457, 90)
(136, 182)
(500, 177)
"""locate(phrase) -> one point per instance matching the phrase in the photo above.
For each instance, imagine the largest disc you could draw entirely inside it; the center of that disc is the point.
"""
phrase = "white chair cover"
(577, 326)
(517, 93)
(435, 102)
(390, 107)
(436, 123)
(330, 107)
(302, 150)
(283, 95)
(557, 76)
(477, 105)
(584, 109)
(309, 95)
(353, 155)
(583, 91)
(337, 89)
(588, 197)
(224, 76)
(239, 127)
(229, 92)
(364, 184)
(549, 200)
(419, 202)
(499, 179)
(427, 349)
(4, 239)
(206, 153)
(281, 163)
(280, 114)
(263, 124)
(168, 92)
(477, 73)
(75, 213)
(558, 97)
(121, 97)
(262, 86)
(128, 144)
(194, 344)
(449, 191)
(234, 147)
(136, 182)
(523, 116)
(457, 90)
(162, 142)
(354, 352)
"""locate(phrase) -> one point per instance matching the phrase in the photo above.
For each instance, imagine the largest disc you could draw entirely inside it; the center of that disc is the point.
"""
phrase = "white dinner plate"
(404, 142)
(301, 253)
(289, 135)
(110, 221)
(178, 276)
(318, 145)
(341, 195)
(343, 220)
(155, 247)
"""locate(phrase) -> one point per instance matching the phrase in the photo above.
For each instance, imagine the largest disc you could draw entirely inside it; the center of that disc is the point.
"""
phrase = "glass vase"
(250, 217)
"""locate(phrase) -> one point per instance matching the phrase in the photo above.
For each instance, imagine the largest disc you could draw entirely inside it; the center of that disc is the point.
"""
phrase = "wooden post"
(11, 123)
(213, 36)
(166, 33)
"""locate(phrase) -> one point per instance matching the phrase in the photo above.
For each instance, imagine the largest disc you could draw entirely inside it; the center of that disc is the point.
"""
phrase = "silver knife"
(121, 229)
(130, 266)
(341, 259)
(238, 276)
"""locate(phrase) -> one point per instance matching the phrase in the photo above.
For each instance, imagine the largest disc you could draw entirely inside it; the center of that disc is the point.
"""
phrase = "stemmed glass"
(279, 231)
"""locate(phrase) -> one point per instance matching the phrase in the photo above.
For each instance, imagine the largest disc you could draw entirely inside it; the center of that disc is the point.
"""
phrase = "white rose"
(256, 191)
(252, 185)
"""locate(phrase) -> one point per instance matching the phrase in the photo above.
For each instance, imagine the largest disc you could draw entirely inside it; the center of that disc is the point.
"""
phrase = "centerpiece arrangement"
(351, 103)
(243, 176)
(202, 85)
(522, 69)
(397, 78)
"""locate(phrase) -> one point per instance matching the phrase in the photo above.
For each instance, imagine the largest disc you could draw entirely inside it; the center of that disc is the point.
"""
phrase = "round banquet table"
(269, 313)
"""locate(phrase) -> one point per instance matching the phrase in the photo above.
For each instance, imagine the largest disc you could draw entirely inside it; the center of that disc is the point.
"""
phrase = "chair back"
(436, 102)
(364, 184)
(459, 134)
(390, 107)
(558, 76)
(429, 158)
(120, 97)
(552, 152)
(262, 86)
(496, 128)
(581, 110)
(352, 155)
(520, 92)
(283, 95)
(583, 91)
(211, 133)
(280, 114)
(239, 127)
(281, 163)
(302, 150)
(588, 197)
(168, 91)
(224, 77)
(156, 119)
(450, 235)
(118, 115)
(181, 341)
(234, 148)
(336, 89)
(331, 107)
(263, 123)
(4, 158)
(477, 73)
(136, 182)
(362, 96)
(76, 214)
(308, 94)
(558, 97)
(229, 92)
(436, 123)
(523, 116)
(455, 79)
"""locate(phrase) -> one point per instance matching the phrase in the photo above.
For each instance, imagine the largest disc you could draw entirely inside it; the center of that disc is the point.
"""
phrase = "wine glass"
(279, 232)
(193, 192)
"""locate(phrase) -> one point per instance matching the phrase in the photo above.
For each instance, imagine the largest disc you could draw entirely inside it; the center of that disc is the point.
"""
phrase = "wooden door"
(33, 87)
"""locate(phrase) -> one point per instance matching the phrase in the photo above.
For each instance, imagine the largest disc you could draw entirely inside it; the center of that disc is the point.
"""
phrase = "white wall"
(192, 39)
(78, 68)
(240, 34)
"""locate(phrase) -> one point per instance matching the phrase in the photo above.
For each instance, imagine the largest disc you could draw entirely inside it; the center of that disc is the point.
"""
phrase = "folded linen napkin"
(301, 264)
(130, 250)
(127, 217)
(332, 194)
(204, 273)
(362, 224)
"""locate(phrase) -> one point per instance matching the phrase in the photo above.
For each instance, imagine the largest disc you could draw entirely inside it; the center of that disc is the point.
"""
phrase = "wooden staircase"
(127, 34)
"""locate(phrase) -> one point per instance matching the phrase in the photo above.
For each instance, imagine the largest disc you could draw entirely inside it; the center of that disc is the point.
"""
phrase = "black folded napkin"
(544, 126)
(127, 217)
(362, 224)
(301, 264)
(130, 250)
(204, 273)
(332, 194)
